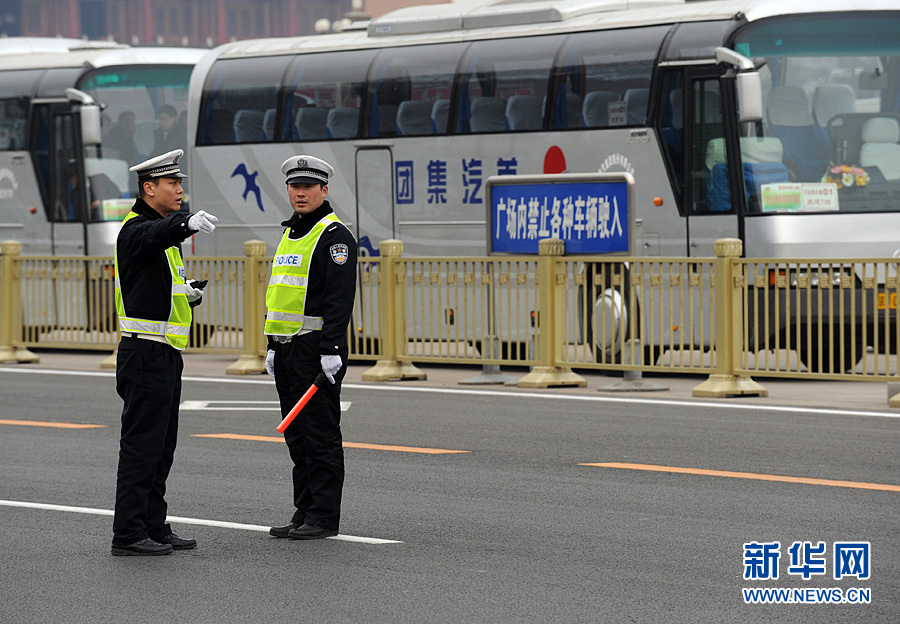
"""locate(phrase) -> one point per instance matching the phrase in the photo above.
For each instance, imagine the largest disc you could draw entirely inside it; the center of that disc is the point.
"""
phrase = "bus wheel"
(829, 357)
(607, 322)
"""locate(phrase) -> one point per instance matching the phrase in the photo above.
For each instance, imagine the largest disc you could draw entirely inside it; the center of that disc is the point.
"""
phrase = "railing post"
(11, 349)
(254, 358)
(392, 319)
(551, 337)
(729, 327)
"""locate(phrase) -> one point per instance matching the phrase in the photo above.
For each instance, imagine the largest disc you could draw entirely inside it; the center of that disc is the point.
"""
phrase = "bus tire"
(828, 359)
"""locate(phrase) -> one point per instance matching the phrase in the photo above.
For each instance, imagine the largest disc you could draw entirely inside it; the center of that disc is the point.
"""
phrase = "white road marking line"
(520, 394)
(212, 523)
(237, 406)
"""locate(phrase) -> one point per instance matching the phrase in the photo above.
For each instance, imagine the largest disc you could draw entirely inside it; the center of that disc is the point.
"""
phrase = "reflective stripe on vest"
(286, 293)
(178, 326)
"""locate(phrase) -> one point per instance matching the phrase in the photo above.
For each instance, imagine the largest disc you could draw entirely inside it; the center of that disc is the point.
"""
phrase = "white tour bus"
(74, 116)
(730, 115)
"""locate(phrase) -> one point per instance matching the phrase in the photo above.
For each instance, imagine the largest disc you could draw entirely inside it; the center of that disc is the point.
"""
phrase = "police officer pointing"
(153, 302)
(309, 304)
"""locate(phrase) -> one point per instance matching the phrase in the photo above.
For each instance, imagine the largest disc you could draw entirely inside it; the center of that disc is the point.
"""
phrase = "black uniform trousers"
(148, 378)
(314, 437)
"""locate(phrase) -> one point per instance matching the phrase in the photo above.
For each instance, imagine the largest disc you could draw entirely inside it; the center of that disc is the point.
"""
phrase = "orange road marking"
(860, 485)
(57, 425)
(359, 445)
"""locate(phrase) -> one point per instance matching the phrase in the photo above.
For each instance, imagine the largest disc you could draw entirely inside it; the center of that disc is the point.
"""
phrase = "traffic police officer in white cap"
(154, 302)
(309, 304)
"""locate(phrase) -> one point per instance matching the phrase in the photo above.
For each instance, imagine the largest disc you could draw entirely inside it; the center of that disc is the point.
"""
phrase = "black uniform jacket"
(331, 286)
(144, 274)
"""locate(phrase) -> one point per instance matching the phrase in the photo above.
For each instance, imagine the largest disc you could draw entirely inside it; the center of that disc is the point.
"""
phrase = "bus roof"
(46, 45)
(36, 52)
(480, 19)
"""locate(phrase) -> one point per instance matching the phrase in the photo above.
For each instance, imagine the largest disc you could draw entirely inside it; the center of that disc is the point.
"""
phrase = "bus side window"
(405, 84)
(235, 98)
(503, 84)
(323, 95)
(609, 72)
(13, 123)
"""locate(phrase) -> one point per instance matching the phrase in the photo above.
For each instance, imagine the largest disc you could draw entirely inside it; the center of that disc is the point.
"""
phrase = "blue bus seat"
(488, 115)
(342, 123)
(440, 113)
(248, 126)
(524, 112)
(636, 105)
(269, 124)
(414, 118)
(595, 110)
(310, 123)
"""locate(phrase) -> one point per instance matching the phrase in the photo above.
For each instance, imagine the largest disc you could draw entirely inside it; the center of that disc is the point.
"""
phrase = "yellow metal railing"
(832, 318)
(728, 317)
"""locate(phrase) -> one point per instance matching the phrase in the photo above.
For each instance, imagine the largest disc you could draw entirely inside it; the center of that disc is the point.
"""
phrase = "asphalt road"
(517, 528)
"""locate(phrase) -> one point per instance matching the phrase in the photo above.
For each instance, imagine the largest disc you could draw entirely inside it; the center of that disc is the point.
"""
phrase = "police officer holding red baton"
(309, 304)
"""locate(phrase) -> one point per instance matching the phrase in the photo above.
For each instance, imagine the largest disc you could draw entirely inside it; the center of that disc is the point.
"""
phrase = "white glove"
(203, 222)
(192, 293)
(331, 364)
(270, 363)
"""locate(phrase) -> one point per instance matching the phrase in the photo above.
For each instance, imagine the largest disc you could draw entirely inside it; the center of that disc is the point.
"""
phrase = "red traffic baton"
(320, 379)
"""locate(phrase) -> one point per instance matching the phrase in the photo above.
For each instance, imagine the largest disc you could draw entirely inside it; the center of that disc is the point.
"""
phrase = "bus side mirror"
(748, 84)
(749, 97)
(90, 125)
(89, 111)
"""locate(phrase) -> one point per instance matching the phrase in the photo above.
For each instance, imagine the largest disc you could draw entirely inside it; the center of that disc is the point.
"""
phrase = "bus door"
(374, 199)
(62, 167)
(711, 214)
(67, 190)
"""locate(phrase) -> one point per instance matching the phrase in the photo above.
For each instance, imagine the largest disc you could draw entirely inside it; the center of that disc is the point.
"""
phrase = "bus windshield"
(830, 139)
(144, 116)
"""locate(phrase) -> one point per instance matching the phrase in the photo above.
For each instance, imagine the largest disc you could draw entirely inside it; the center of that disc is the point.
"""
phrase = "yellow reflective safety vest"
(286, 293)
(177, 327)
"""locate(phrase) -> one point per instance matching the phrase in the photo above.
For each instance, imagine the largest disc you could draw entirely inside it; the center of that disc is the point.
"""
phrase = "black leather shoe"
(283, 531)
(311, 531)
(178, 543)
(144, 547)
